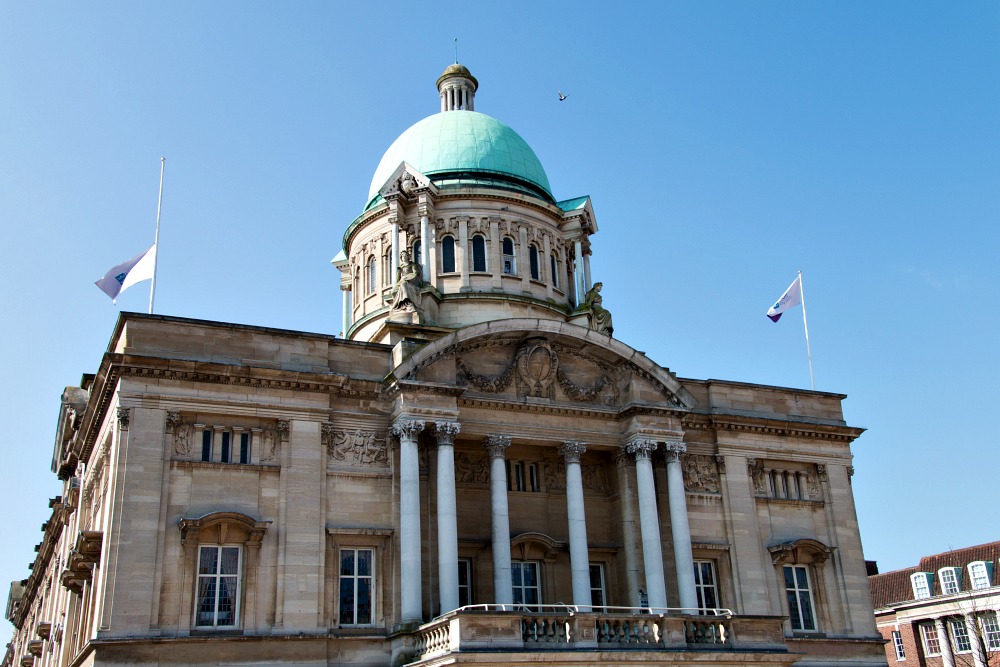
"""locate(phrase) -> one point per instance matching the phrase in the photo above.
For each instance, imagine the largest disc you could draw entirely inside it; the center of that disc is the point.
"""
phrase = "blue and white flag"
(792, 297)
(126, 274)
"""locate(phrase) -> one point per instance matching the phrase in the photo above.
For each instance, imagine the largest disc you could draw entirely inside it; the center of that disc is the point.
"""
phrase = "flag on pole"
(121, 277)
(792, 297)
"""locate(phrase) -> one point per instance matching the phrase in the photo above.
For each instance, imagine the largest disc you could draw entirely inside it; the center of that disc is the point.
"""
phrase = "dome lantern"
(457, 88)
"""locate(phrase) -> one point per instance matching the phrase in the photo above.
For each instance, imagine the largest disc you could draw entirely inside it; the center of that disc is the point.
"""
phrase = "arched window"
(357, 281)
(509, 265)
(416, 253)
(448, 254)
(371, 275)
(479, 253)
(387, 267)
(533, 261)
(555, 270)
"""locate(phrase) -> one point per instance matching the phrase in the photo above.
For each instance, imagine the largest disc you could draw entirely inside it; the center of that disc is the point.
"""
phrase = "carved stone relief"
(357, 448)
(471, 469)
(701, 473)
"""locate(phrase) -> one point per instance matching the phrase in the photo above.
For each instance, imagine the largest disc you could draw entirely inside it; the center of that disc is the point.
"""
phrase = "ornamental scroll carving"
(701, 473)
(535, 371)
(358, 448)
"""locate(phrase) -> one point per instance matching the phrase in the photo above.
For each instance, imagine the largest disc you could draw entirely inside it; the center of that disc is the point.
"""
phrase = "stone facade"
(475, 472)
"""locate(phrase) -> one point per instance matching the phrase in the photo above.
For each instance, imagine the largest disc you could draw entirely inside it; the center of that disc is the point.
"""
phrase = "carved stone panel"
(701, 473)
(355, 448)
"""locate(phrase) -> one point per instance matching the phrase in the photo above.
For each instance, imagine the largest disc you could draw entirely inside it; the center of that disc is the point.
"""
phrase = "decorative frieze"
(471, 469)
(356, 448)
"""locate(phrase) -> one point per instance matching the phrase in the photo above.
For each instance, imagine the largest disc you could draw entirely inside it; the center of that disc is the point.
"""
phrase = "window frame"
(534, 265)
(960, 635)
(599, 591)
(448, 242)
(356, 578)
(928, 636)
(372, 283)
(481, 241)
(465, 566)
(701, 587)
(237, 595)
(950, 579)
(509, 259)
(925, 588)
(521, 588)
(897, 644)
(799, 618)
(980, 571)
(990, 625)
(554, 268)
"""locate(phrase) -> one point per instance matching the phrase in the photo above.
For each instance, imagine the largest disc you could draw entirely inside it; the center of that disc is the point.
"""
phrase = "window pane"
(478, 253)
(346, 601)
(793, 610)
(230, 560)
(805, 606)
(789, 577)
(555, 273)
(208, 563)
(533, 259)
(530, 574)
(448, 254)
(364, 601)
(206, 445)
(244, 448)
(227, 601)
(347, 562)
(364, 562)
(802, 579)
(206, 601)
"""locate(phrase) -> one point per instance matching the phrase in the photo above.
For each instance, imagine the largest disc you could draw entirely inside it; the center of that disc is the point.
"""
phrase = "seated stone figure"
(601, 318)
(406, 298)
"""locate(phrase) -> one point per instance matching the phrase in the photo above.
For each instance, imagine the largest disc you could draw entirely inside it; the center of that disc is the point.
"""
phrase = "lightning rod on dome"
(456, 50)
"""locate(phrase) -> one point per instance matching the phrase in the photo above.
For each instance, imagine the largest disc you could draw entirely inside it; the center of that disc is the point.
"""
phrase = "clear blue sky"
(725, 145)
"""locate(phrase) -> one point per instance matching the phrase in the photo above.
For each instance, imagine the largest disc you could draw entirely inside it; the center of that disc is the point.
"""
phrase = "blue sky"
(726, 145)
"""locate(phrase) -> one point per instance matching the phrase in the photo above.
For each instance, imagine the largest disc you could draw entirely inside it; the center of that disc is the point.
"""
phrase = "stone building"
(943, 612)
(475, 471)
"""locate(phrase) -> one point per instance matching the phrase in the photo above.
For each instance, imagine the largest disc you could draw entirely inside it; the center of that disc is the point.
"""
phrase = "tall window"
(932, 645)
(464, 582)
(387, 277)
(991, 631)
(448, 254)
(799, 594)
(950, 580)
(479, 253)
(960, 635)
(597, 594)
(536, 271)
(522, 476)
(417, 247)
(979, 574)
(218, 587)
(357, 586)
(527, 587)
(921, 582)
(371, 276)
(554, 270)
(704, 584)
(897, 643)
(509, 265)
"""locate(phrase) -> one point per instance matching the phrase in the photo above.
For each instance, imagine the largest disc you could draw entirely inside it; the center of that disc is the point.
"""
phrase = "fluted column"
(679, 528)
(503, 590)
(649, 522)
(407, 431)
(947, 656)
(579, 556)
(447, 516)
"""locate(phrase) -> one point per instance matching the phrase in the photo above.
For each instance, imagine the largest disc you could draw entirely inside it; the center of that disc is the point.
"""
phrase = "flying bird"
(562, 96)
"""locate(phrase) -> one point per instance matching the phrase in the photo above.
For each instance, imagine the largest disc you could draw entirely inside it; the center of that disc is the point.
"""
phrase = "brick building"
(943, 612)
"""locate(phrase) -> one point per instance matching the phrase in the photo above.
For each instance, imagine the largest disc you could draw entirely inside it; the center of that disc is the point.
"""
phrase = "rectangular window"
(979, 574)
(448, 254)
(478, 254)
(950, 580)
(991, 631)
(218, 587)
(227, 447)
(244, 448)
(206, 445)
(960, 635)
(921, 582)
(897, 643)
(533, 477)
(800, 603)
(930, 636)
(519, 476)
(554, 271)
(527, 585)
(464, 582)
(597, 595)
(357, 587)
(704, 584)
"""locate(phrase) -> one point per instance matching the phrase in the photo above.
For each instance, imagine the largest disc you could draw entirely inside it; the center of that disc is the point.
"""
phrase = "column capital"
(674, 449)
(642, 449)
(572, 450)
(123, 415)
(407, 429)
(446, 432)
(496, 445)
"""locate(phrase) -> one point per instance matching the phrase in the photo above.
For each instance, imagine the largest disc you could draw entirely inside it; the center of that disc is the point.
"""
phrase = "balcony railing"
(566, 627)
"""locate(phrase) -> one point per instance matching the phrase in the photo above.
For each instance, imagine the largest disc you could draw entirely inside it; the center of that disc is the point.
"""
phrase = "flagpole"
(805, 325)
(156, 240)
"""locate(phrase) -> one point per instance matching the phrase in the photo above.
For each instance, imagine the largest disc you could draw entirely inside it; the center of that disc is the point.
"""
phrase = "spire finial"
(456, 50)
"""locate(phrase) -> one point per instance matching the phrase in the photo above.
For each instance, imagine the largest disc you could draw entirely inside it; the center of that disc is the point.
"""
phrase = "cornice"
(772, 427)
(536, 408)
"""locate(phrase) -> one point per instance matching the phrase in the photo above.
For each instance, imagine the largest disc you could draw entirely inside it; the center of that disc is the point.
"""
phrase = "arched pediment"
(222, 527)
(531, 359)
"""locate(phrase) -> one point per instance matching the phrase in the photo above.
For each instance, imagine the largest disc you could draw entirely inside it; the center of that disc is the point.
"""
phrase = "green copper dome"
(464, 147)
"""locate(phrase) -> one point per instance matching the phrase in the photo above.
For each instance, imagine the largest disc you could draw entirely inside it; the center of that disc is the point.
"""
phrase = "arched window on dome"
(387, 267)
(372, 285)
(448, 254)
(509, 261)
(479, 253)
(554, 265)
(536, 270)
(357, 282)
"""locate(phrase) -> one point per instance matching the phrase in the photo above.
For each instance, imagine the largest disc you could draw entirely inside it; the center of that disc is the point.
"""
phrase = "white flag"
(126, 274)
(791, 297)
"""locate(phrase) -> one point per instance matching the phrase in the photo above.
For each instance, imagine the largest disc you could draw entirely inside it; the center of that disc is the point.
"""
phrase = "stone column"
(649, 522)
(503, 590)
(524, 259)
(679, 528)
(630, 538)
(947, 657)
(587, 284)
(424, 264)
(976, 638)
(394, 259)
(579, 555)
(578, 272)
(494, 262)
(407, 431)
(345, 314)
(546, 267)
(447, 516)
